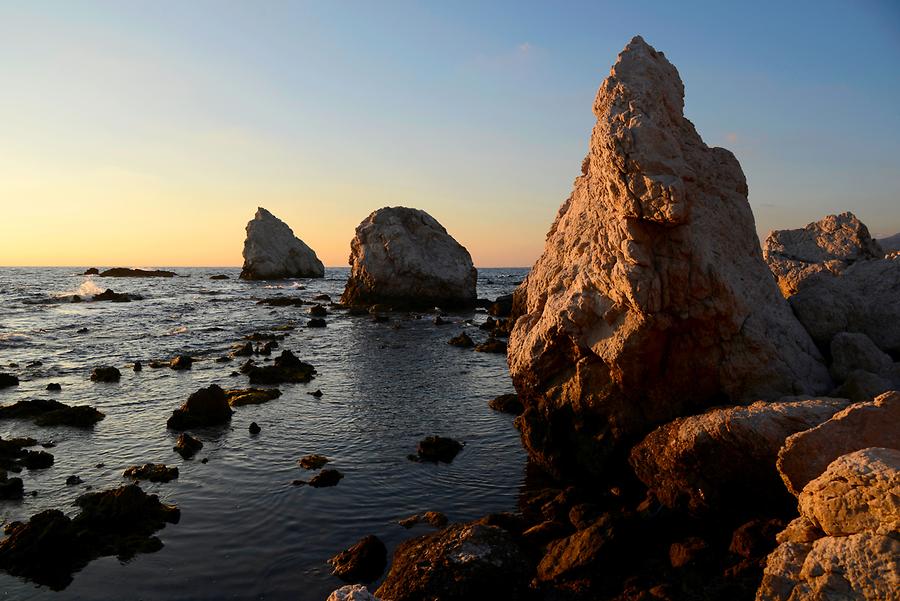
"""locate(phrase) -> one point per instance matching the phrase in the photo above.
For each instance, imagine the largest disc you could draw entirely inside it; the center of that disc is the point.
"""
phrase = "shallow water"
(245, 532)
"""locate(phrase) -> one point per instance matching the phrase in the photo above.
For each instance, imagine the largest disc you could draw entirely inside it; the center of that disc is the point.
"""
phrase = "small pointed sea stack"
(272, 251)
(405, 259)
(651, 299)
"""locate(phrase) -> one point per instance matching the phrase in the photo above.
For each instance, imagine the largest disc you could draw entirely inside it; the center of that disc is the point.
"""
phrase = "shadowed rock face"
(651, 299)
(828, 245)
(272, 251)
(404, 258)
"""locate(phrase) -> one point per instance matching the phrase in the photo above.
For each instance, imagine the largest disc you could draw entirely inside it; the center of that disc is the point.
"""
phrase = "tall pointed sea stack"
(651, 299)
(272, 251)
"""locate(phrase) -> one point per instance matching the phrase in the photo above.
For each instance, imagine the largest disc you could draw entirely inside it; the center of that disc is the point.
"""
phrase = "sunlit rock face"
(829, 245)
(272, 251)
(404, 258)
(651, 299)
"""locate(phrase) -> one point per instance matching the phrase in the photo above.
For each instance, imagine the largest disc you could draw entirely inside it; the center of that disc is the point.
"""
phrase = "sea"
(245, 531)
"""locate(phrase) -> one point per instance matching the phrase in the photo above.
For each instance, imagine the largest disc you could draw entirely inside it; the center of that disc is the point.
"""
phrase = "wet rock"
(651, 299)
(805, 455)
(316, 393)
(437, 448)
(724, 459)
(318, 311)
(283, 301)
(352, 592)
(502, 307)
(122, 272)
(181, 362)
(245, 350)
(224, 359)
(405, 258)
(272, 251)
(460, 563)
(844, 545)
(205, 407)
(238, 397)
(491, 345)
(326, 478)
(7, 380)
(434, 518)
(105, 374)
(91, 271)
(254, 428)
(50, 547)
(463, 340)
(248, 365)
(52, 413)
(138, 366)
(507, 403)
(313, 462)
(316, 323)
(54, 387)
(363, 562)
(82, 331)
(187, 446)
(111, 295)
(287, 368)
(11, 488)
(829, 245)
(322, 298)
(154, 472)
(219, 276)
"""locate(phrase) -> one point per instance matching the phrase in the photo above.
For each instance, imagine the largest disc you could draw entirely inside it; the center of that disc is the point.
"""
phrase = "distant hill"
(890, 243)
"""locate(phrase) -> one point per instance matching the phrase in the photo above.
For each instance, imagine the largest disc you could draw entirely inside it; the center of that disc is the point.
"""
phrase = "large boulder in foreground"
(807, 454)
(272, 251)
(651, 299)
(460, 563)
(206, 407)
(404, 258)
(830, 245)
(724, 459)
(846, 543)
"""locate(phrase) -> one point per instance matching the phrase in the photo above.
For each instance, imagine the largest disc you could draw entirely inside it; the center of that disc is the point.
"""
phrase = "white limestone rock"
(651, 299)
(272, 251)
(828, 245)
(404, 258)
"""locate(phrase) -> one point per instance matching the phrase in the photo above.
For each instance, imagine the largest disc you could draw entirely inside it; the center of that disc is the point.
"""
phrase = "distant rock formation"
(125, 272)
(404, 258)
(831, 244)
(272, 251)
(652, 299)
(890, 244)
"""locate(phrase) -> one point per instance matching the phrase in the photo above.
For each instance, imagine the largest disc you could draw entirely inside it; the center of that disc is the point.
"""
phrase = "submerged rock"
(437, 448)
(11, 488)
(50, 547)
(154, 472)
(54, 387)
(123, 272)
(254, 428)
(316, 323)
(187, 446)
(463, 340)
(724, 459)
(272, 251)
(7, 380)
(238, 397)
(507, 403)
(434, 518)
(111, 295)
(313, 462)
(405, 258)
(845, 544)
(206, 407)
(828, 245)
(105, 374)
(219, 276)
(652, 299)
(286, 368)
(491, 345)
(326, 478)
(52, 413)
(460, 563)
(181, 362)
(363, 562)
(808, 453)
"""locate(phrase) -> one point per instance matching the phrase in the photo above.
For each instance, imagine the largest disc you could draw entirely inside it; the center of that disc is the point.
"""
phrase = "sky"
(147, 133)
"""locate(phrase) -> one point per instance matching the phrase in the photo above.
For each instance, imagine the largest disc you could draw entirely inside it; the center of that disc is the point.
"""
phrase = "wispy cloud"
(516, 59)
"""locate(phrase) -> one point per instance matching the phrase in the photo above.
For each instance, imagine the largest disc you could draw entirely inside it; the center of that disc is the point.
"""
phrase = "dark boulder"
(112, 296)
(73, 480)
(122, 272)
(245, 350)
(187, 446)
(434, 518)
(238, 397)
(181, 362)
(220, 276)
(313, 462)
(54, 387)
(254, 428)
(437, 448)
(105, 374)
(502, 307)
(460, 563)
(287, 368)
(154, 472)
(52, 413)
(206, 407)
(11, 488)
(318, 311)
(363, 562)
(491, 345)
(283, 301)
(463, 340)
(37, 460)
(507, 403)
(316, 322)
(8, 380)
(323, 479)
(91, 271)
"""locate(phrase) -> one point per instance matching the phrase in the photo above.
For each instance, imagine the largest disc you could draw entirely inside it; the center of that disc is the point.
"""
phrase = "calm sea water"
(245, 532)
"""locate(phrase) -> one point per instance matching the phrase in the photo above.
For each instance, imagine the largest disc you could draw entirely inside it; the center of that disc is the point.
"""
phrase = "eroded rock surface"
(652, 299)
(846, 543)
(404, 258)
(828, 245)
(724, 459)
(272, 251)
(807, 454)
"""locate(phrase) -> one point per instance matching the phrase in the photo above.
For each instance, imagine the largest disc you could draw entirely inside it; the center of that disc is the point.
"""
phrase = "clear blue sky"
(148, 132)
